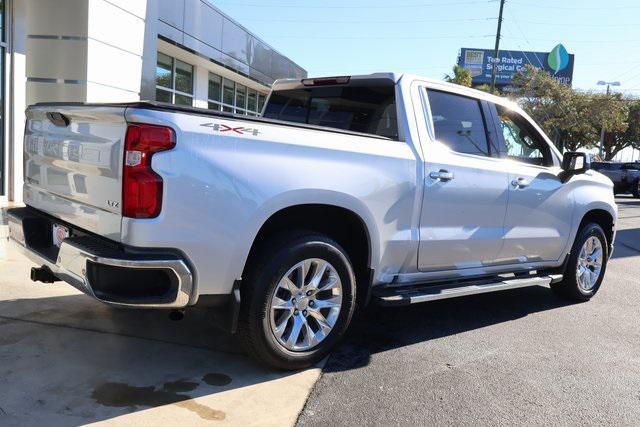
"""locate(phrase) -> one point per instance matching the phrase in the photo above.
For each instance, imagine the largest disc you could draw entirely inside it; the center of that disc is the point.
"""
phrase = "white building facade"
(180, 51)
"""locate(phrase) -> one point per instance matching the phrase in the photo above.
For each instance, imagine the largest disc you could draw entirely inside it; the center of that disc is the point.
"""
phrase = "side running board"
(390, 296)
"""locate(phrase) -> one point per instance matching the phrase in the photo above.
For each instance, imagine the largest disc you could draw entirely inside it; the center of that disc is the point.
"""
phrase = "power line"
(608, 63)
(410, 21)
(554, 6)
(546, 113)
(565, 24)
(589, 64)
(377, 37)
(631, 69)
(630, 79)
(394, 6)
(586, 41)
(367, 37)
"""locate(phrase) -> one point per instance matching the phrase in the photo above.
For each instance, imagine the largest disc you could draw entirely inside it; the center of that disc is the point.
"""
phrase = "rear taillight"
(142, 187)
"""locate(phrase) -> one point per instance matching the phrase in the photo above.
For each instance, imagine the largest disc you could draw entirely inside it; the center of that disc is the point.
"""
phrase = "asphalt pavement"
(521, 357)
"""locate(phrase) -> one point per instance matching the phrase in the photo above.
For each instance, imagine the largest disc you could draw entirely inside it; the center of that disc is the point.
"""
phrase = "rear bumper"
(104, 270)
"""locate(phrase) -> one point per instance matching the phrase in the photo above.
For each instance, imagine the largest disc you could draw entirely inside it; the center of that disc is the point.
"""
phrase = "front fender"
(593, 191)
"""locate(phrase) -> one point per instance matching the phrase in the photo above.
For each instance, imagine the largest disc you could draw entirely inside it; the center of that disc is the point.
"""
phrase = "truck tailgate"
(73, 165)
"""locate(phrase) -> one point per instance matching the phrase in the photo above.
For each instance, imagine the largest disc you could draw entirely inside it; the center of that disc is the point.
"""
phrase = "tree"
(487, 88)
(563, 113)
(460, 76)
(574, 118)
(633, 129)
(612, 113)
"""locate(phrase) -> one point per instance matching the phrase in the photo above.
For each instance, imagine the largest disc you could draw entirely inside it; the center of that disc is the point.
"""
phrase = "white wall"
(15, 99)
(84, 50)
(89, 51)
(69, 51)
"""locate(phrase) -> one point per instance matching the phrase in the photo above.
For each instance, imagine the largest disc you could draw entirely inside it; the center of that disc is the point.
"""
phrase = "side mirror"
(574, 163)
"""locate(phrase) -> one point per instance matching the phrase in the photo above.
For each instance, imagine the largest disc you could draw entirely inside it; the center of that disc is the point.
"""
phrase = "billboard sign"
(558, 63)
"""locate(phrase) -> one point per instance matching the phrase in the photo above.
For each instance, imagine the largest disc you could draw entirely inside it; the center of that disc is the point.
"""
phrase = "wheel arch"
(604, 219)
(352, 228)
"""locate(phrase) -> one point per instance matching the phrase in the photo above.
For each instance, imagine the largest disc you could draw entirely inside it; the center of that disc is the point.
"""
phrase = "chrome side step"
(416, 294)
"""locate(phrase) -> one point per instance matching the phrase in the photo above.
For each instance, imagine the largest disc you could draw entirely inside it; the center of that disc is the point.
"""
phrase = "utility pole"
(496, 52)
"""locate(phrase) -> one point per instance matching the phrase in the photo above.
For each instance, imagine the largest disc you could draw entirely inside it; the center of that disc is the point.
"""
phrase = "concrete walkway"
(67, 360)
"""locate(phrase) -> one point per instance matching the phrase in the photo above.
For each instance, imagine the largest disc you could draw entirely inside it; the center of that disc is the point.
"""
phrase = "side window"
(523, 142)
(458, 122)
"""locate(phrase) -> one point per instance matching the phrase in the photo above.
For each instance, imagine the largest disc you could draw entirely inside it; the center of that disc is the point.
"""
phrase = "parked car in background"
(625, 176)
(387, 188)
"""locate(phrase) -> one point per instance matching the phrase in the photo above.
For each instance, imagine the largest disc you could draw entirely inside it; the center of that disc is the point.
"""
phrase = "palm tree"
(461, 76)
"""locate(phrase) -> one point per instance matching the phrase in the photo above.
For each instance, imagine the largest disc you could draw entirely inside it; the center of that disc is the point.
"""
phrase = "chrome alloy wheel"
(589, 264)
(305, 304)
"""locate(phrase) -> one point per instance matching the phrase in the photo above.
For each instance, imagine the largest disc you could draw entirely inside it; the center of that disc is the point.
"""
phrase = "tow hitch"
(43, 274)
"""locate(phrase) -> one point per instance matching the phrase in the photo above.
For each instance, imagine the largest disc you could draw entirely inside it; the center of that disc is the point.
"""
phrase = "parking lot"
(518, 357)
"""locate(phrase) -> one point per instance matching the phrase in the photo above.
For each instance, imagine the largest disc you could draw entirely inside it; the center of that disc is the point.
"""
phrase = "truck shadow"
(380, 329)
(627, 243)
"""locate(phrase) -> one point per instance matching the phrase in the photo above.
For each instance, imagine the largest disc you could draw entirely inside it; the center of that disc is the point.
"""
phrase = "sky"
(345, 37)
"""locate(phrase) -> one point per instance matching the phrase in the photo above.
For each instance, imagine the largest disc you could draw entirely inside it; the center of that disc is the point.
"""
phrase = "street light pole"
(602, 130)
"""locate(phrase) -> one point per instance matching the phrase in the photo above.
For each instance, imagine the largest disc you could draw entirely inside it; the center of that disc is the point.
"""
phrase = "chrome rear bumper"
(77, 255)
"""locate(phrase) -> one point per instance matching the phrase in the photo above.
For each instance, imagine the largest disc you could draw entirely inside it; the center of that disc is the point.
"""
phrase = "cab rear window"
(364, 109)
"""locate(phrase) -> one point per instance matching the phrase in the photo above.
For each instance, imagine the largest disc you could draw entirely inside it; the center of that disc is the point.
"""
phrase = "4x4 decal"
(240, 130)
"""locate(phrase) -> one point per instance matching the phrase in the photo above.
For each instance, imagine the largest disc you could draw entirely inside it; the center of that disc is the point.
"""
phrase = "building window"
(241, 99)
(174, 81)
(231, 97)
(228, 95)
(261, 100)
(252, 102)
(215, 92)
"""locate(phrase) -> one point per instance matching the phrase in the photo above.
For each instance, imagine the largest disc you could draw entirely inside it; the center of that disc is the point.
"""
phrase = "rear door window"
(364, 109)
(459, 123)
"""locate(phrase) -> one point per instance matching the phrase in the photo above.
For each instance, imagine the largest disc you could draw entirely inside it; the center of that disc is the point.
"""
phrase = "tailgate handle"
(58, 119)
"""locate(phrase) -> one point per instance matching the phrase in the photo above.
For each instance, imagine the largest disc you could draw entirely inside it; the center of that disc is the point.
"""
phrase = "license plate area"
(58, 234)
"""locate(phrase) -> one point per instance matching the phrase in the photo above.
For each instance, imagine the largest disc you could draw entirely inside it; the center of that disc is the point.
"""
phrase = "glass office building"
(185, 52)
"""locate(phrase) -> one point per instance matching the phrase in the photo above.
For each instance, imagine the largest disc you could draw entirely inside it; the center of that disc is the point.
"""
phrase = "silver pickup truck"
(389, 189)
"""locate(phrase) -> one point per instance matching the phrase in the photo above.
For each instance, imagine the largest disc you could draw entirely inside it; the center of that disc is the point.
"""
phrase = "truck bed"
(162, 106)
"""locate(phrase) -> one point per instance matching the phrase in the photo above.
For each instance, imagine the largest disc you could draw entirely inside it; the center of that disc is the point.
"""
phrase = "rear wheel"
(298, 300)
(586, 266)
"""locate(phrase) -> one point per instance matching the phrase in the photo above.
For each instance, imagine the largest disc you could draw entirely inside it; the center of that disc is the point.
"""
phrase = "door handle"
(520, 183)
(441, 175)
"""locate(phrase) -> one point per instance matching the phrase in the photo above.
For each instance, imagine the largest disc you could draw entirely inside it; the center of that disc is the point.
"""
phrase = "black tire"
(636, 190)
(569, 288)
(271, 263)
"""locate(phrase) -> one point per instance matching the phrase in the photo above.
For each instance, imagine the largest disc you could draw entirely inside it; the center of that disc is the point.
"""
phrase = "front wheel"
(298, 300)
(586, 266)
